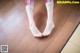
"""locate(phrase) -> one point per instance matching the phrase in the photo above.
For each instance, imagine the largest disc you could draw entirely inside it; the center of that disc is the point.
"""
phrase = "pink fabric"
(51, 1)
(29, 2)
(32, 1)
(47, 0)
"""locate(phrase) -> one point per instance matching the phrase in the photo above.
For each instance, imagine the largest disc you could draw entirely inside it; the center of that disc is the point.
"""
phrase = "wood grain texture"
(73, 45)
(14, 28)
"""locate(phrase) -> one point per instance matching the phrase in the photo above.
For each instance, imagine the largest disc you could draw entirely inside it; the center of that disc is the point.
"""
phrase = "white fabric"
(33, 28)
(50, 24)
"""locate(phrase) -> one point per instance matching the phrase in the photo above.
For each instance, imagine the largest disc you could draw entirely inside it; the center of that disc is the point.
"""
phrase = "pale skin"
(49, 25)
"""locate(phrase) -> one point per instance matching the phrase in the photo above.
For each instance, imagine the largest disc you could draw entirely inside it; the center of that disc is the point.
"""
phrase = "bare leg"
(29, 10)
(50, 25)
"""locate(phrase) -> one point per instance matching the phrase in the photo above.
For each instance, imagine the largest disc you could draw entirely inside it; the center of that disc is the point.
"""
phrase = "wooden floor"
(14, 28)
(73, 45)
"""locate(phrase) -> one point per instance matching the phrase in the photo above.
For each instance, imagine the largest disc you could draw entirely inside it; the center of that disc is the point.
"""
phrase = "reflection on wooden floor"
(14, 29)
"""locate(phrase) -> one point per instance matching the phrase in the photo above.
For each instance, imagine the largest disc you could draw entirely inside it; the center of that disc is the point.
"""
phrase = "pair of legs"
(49, 26)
